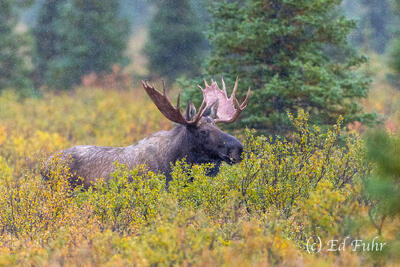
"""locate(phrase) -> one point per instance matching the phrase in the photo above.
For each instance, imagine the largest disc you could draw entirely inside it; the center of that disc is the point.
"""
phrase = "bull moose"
(196, 138)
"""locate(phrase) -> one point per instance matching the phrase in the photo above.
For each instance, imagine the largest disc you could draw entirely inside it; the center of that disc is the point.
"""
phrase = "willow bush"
(262, 211)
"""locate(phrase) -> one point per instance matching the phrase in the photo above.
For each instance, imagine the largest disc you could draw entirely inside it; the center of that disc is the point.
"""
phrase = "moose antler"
(163, 104)
(226, 106)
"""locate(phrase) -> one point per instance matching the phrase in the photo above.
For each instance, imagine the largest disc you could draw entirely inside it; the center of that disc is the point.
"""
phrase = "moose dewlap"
(196, 138)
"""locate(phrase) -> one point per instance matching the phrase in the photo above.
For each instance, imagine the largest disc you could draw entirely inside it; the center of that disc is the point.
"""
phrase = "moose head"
(204, 141)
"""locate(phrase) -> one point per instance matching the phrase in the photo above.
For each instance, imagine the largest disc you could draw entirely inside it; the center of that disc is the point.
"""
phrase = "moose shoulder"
(196, 138)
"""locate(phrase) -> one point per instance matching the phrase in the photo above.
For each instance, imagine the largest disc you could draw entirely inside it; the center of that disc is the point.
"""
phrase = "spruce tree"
(382, 188)
(283, 50)
(176, 43)
(48, 38)
(87, 36)
(14, 50)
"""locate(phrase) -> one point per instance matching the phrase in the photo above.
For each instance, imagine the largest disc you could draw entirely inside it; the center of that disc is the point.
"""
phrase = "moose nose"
(236, 150)
(239, 152)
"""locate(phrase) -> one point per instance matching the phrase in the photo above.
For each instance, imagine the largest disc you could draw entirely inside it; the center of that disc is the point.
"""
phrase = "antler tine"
(163, 103)
(246, 100)
(235, 87)
(178, 101)
(202, 108)
(205, 83)
(199, 114)
(224, 87)
(164, 88)
(237, 103)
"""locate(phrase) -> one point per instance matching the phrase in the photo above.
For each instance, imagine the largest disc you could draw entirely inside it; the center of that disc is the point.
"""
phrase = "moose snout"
(237, 153)
(235, 150)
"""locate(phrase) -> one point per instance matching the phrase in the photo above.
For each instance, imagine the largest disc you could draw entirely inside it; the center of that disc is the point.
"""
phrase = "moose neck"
(184, 145)
(180, 144)
(164, 148)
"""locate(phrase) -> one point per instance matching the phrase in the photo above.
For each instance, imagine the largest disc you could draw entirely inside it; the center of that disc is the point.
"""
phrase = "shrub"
(308, 179)
(128, 200)
(193, 188)
(31, 209)
(281, 173)
(261, 211)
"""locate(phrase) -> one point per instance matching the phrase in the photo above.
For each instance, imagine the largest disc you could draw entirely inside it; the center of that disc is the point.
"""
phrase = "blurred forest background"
(321, 159)
(58, 45)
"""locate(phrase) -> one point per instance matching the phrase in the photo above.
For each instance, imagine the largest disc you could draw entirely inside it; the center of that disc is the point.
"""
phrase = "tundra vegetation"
(311, 178)
(260, 211)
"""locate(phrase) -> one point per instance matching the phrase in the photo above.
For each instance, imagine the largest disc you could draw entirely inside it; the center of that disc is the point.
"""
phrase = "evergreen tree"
(87, 36)
(14, 50)
(176, 44)
(282, 49)
(383, 186)
(48, 38)
(395, 55)
(137, 12)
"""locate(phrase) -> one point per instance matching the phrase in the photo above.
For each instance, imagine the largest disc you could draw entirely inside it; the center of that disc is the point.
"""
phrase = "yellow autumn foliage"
(260, 212)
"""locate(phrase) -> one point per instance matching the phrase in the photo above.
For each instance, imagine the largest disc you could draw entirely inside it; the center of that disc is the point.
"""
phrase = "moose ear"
(190, 111)
(212, 110)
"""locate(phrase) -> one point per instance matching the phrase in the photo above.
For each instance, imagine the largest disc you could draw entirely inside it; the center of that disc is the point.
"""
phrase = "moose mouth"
(229, 160)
